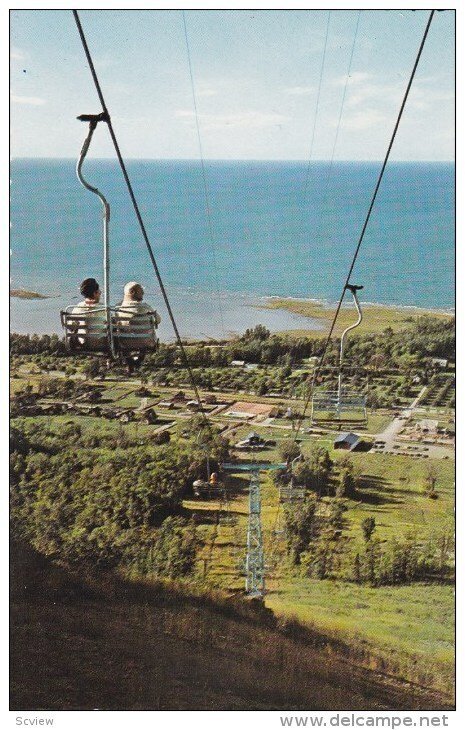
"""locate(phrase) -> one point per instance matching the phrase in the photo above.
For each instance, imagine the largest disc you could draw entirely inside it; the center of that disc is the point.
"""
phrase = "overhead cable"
(204, 173)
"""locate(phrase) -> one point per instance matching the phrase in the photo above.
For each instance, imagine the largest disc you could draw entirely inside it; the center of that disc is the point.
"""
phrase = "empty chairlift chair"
(336, 403)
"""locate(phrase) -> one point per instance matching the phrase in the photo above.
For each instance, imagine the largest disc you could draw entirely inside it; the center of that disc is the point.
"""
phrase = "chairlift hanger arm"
(93, 120)
(353, 288)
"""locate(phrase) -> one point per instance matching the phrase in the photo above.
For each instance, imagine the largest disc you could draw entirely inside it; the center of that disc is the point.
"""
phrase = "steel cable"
(204, 174)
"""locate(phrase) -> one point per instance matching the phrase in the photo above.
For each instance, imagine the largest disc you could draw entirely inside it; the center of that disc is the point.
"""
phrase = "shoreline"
(376, 316)
(327, 304)
(294, 316)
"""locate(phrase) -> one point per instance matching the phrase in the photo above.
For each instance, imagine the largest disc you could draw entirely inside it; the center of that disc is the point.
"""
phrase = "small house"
(440, 362)
(253, 439)
(428, 425)
(169, 405)
(348, 441)
(149, 417)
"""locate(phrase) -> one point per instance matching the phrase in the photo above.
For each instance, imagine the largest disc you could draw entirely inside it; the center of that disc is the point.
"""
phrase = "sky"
(256, 82)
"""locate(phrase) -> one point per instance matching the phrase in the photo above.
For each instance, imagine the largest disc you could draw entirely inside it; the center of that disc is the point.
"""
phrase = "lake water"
(269, 229)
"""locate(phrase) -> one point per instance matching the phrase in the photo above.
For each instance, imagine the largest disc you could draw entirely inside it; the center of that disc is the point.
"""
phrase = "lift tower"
(255, 557)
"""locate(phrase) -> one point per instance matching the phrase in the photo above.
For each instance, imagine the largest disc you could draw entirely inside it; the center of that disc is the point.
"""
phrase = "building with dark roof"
(348, 441)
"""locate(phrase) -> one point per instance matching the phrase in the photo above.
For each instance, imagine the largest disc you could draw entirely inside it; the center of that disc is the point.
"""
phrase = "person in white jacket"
(140, 327)
(91, 331)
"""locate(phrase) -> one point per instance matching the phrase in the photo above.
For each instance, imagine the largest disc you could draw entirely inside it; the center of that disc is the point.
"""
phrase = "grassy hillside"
(407, 630)
(108, 644)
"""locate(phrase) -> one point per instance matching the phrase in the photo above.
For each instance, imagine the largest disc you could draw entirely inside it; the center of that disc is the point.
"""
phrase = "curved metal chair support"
(93, 120)
(353, 288)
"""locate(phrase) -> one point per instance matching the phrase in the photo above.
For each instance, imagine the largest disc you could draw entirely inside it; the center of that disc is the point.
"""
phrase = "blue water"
(273, 229)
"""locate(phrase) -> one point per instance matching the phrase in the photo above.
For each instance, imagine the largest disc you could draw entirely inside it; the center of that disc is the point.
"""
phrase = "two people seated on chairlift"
(133, 331)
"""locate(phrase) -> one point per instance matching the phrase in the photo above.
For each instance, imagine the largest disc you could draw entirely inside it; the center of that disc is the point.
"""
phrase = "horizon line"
(234, 159)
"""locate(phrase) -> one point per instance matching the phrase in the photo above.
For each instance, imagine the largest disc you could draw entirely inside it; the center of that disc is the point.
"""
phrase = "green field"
(410, 628)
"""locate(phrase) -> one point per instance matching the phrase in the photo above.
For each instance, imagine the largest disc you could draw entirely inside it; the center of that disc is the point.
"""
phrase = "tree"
(321, 466)
(301, 526)
(303, 474)
(372, 560)
(259, 332)
(430, 480)
(325, 552)
(173, 554)
(377, 361)
(91, 368)
(262, 386)
(368, 528)
(289, 450)
(346, 486)
(162, 437)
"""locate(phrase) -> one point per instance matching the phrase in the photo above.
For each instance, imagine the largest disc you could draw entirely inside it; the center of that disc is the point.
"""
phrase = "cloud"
(366, 119)
(241, 120)
(355, 78)
(425, 98)
(205, 91)
(299, 90)
(16, 54)
(365, 90)
(31, 100)
(121, 119)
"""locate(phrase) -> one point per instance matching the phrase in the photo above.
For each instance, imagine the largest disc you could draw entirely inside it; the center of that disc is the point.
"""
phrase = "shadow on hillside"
(98, 641)
(212, 515)
(374, 490)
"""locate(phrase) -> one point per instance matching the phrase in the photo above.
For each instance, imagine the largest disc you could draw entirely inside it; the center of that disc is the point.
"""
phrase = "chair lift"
(353, 288)
(342, 401)
(114, 331)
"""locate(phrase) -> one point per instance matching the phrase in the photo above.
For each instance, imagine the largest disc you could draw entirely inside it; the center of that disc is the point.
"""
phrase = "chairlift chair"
(117, 332)
(341, 400)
